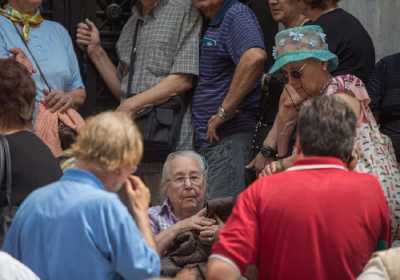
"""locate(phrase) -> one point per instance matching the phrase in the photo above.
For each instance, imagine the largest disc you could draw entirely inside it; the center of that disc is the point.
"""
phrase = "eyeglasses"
(296, 74)
(194, 179)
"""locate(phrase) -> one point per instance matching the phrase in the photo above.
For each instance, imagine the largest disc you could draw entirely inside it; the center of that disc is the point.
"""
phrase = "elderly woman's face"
(305, 76)
(186, 184)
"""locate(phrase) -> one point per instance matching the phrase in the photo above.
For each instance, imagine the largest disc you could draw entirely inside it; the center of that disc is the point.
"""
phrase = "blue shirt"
(75, 229)
(231, 33)
(52, 47)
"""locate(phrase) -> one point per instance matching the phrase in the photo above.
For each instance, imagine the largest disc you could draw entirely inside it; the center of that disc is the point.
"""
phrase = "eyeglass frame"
(298, 73)
(185, 178)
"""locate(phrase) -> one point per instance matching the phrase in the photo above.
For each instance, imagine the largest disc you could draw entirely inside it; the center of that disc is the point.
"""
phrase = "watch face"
(267, 152)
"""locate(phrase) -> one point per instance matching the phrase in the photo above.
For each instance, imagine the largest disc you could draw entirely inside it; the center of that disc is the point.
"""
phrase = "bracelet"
(268, 152)
(221, 113)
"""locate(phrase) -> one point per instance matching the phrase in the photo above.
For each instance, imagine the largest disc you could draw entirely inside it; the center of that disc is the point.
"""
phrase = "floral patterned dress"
(376, 152)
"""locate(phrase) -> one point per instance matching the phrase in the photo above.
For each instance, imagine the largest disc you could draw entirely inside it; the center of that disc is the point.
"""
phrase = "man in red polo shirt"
(317, 220)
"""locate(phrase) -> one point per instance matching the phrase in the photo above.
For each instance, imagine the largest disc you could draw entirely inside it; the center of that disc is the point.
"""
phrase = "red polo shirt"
(314, 221)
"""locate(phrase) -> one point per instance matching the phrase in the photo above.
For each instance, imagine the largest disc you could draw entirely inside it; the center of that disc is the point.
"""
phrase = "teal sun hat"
(300, 43)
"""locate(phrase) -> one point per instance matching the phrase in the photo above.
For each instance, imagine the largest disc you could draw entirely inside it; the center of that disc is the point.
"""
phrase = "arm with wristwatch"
(275, 146)
(247, 72)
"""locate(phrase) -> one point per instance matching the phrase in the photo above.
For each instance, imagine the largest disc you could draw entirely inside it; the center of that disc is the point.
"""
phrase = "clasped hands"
(208, 228)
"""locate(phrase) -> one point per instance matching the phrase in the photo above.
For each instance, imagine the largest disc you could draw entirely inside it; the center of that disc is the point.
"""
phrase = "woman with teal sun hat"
(302, 56)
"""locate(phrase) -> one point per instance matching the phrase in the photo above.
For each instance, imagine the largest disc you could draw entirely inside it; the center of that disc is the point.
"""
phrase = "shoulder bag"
(159, 124)
(6, 209)
(67, 134)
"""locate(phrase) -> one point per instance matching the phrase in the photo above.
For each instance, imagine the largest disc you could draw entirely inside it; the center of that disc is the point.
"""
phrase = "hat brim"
(323, 55)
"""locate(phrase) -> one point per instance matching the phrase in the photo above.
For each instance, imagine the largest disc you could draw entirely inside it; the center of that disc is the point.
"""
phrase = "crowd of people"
(81, 199)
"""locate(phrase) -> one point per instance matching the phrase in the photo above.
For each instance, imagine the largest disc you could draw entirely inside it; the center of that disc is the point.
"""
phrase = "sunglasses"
(295, 74)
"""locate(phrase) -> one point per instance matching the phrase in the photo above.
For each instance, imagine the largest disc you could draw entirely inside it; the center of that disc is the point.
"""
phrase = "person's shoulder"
(5, 22)
(56, 27)
(362, 180)
(155, 210)
(391, 59)
(37, 197)
(104, 201)
(25, 137)
(341, 18)
(183, 7)
(19, 141)
(11, 268)
(238, 9)
(181, 4)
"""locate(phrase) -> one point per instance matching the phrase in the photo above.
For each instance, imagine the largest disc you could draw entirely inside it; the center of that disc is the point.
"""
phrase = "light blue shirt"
(75, 229)
(52, 47)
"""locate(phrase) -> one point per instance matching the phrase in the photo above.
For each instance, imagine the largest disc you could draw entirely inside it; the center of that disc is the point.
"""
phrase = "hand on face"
(307, 77)
(137, 194)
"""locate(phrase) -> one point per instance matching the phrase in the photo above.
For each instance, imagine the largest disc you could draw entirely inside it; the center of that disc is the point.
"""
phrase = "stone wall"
(382, 20)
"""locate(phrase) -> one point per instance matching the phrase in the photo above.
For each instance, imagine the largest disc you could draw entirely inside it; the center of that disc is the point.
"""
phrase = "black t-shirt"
(32, 163)
(384, 88)
(349, 40)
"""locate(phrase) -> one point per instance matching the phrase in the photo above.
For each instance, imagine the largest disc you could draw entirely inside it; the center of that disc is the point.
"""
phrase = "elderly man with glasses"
(183, 184)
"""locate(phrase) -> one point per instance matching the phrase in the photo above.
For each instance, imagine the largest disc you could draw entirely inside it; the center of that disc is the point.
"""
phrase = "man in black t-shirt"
(346, 37)
(384, 91)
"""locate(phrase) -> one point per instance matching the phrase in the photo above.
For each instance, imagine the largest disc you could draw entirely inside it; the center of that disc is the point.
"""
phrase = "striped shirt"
(228, 35)
(161, 217)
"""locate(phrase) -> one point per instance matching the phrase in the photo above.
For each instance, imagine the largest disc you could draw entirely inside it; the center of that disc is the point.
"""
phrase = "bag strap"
(34, 58)
(5, 168)
(139, 23)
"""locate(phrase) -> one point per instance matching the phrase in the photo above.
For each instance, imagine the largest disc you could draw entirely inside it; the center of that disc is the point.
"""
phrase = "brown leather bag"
(220, 207)
(6, 209)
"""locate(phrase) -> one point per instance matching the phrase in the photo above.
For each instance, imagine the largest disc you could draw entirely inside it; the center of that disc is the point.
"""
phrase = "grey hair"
(326, 126)
(191, 154)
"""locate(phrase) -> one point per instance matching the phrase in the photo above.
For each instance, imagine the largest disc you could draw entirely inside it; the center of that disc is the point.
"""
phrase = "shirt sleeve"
(75, 80)
(242, 32)
(153, 222)
(130, 255)
(376, 87)
(186, 60)
(4, 53)
(238, 240)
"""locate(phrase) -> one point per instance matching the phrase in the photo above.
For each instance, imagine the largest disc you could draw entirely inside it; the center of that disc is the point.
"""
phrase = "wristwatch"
(268, 152)
(221, 113)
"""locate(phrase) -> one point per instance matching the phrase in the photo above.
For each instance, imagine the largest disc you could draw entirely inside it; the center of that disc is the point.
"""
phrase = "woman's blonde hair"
(110, 140)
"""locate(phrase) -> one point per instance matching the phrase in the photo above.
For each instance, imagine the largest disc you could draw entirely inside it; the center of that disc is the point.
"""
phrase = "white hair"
(190, 154)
